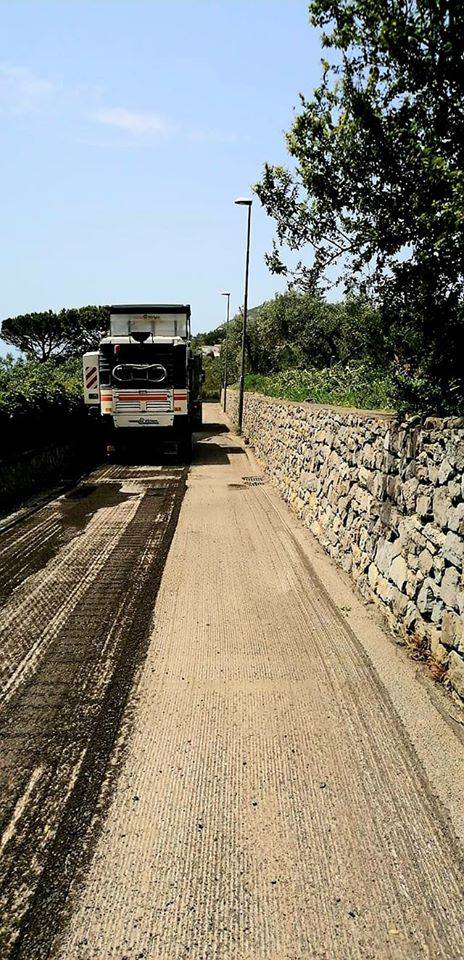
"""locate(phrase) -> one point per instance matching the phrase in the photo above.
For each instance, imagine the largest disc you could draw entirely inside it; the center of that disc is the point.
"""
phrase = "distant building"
(212, 350)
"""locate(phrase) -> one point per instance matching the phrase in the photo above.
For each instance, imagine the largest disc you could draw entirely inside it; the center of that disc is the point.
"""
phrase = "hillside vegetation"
(301, 347)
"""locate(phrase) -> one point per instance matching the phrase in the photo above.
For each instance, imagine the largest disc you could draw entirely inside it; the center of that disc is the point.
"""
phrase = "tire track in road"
(86, 616)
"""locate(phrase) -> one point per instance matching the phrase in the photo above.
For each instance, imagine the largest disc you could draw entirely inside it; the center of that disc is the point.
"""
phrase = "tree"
(48, 335)
(303, 330)
(377, 187)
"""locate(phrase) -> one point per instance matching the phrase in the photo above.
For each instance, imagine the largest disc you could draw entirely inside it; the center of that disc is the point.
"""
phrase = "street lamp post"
(225, 349)
(244, 202)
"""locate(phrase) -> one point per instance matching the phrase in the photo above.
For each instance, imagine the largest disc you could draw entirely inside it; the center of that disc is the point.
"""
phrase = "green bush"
(353, 385)
(39, 402)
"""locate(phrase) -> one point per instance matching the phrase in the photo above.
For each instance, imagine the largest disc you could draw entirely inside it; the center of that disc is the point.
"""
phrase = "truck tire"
(185, 447)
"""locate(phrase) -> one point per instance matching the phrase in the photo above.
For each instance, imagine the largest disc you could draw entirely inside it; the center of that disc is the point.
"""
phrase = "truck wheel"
(185, 447)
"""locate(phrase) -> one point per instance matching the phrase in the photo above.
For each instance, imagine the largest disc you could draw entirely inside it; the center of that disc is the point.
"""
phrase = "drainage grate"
(255, 480)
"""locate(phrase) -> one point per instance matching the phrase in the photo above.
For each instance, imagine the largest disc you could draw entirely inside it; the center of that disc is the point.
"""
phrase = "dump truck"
(144, 381)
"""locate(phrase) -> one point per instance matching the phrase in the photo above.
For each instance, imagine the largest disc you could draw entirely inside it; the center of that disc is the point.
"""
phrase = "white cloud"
(21, 91)
(24, 92)
(134, 122)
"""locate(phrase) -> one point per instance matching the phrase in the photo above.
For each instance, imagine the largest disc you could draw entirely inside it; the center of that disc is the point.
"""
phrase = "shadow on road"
(211, 430)
(209, 453)
(206, 452)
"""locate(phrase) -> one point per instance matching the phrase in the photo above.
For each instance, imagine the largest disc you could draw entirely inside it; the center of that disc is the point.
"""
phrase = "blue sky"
(127, 130)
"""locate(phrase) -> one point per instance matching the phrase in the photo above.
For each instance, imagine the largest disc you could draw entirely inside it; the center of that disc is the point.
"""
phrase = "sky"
(127, 129)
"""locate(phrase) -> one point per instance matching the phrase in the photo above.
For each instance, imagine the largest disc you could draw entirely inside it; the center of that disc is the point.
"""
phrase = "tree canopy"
(49, 335)
(377, 184)
(302, 330)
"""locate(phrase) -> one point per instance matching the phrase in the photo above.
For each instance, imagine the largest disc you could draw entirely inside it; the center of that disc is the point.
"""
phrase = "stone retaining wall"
(386, 500)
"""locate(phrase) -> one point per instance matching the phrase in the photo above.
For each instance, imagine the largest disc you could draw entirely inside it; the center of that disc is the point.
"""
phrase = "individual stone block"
(454, 490)
(455, 454)
(425, 561)
(437, 611)
(426, 598)
(373, 575)
(424, 505)
(439, 652)
(445, 471)
(386, 552)
(442, 506)
(411, 616)
(398, 572)
(409, 491)
(456, 519)
(435, 536)
(399, 602)
(453, 549)
(455, 673)
(452, 629)
(449, 587)
(413, 584)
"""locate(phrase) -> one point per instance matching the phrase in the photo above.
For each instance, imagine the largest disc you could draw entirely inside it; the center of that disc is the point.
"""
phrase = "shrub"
(39, 402)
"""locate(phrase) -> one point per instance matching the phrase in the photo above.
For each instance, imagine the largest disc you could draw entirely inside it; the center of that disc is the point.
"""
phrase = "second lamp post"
(244, 202)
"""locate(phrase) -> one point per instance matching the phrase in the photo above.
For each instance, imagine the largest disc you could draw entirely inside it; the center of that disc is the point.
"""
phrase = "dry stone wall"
(386, 500)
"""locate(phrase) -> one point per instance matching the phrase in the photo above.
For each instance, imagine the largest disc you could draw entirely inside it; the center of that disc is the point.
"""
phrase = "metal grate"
(254, 481)
(159, 406)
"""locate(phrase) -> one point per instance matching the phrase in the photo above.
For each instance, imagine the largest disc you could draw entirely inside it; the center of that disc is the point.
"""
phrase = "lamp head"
(244, 201)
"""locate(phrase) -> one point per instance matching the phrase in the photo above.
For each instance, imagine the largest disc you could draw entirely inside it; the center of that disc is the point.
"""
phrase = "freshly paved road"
(271, 789)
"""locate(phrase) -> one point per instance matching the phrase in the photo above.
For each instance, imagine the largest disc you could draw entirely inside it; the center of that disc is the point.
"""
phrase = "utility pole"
(244, 202)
